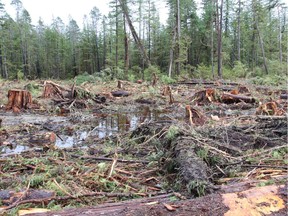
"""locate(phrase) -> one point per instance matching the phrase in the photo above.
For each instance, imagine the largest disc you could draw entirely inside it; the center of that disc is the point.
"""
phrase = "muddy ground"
(105, 143)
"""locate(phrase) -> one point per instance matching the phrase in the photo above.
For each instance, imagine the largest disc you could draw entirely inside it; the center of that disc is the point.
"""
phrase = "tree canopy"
(214, 38)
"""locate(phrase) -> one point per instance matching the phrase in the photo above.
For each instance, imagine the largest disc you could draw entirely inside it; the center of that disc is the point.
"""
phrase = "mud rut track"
(189, 141)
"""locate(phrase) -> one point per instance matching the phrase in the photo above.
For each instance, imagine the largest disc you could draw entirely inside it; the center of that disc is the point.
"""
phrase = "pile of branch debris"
(70, 97)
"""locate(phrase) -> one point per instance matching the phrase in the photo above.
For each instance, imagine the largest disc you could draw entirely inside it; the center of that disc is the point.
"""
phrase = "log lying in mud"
(256, 201)
(234, 98)
(18, 99)
(284, 96)
(48, 138)
(120, 93)
(205, 82)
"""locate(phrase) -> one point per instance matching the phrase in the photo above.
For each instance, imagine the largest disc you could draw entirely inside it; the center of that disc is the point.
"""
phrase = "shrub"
(204, 72)
(149, 71)
(85, 77)
(19, 75)
(131, 77)
(167, 80)
(239, 70)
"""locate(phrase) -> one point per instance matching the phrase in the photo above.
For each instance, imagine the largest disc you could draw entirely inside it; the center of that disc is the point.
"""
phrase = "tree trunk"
(239, 32)
(1, 63)
(286, 41)
(226, 29)
(212, 39)
(149, 29)
(126, 44)
(219, 41)
(104, 43)
(172, 54)
(262, 48)
(135, 35)
(232, 200)
(280, 36)
(5, 70)
(178, 65)
(117, 30)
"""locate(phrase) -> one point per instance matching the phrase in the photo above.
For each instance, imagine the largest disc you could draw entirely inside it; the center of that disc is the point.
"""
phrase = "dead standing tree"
(134, 33)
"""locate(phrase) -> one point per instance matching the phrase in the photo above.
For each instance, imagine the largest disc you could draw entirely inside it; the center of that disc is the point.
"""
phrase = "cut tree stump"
(18, 99)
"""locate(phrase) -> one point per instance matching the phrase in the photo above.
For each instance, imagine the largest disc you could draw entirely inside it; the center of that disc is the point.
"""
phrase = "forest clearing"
(134, 148)
(152, 107)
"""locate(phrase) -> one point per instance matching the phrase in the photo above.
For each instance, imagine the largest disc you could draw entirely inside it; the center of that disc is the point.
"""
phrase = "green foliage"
(19, 75)
(266, 183)
(148, 72)
(119, 73)
(85, 77)
(131, 77)
(197, 187)
(102, 167)
(37, 180)
(172, 132)
(53, 206)
(52, 186)
(33, 89)
(167, 80)
(203, 72)
(107, 184)
(156, 156)
(65, 51)
(275, 67)
(203, 153)
(239, 70)
(272, 79)
(153, 91)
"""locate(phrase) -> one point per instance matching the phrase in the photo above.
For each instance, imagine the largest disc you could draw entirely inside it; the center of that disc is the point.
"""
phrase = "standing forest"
(208, 39)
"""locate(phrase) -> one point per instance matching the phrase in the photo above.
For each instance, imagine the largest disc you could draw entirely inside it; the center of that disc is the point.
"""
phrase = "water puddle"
(103, 125)
(110, 124)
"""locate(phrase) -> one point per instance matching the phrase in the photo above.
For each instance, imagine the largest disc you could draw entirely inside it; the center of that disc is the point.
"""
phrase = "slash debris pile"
(214, 141)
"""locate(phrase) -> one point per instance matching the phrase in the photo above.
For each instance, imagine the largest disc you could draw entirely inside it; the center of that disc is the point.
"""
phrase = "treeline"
(216, 38)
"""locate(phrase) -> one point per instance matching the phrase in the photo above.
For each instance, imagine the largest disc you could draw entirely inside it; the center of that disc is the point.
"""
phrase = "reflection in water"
(16, 150)
(66, 142)
(103, 127)
(123, 122)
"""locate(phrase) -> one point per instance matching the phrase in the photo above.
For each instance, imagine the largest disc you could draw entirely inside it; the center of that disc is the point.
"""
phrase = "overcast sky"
(46, 9)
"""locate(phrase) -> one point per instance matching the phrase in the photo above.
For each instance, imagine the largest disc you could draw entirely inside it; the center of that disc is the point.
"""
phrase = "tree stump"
(18, 99)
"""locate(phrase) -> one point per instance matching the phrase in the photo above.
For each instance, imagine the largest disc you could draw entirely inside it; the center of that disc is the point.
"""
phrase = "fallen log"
(256, 201)
(145, 101)
(9, 197)
(205, 82)
(284, 96)
(120, 93)
(110, 159)
(232, 98)
(48, 138)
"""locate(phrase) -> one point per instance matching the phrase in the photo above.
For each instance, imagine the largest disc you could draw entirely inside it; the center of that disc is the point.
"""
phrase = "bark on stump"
(18, 99)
